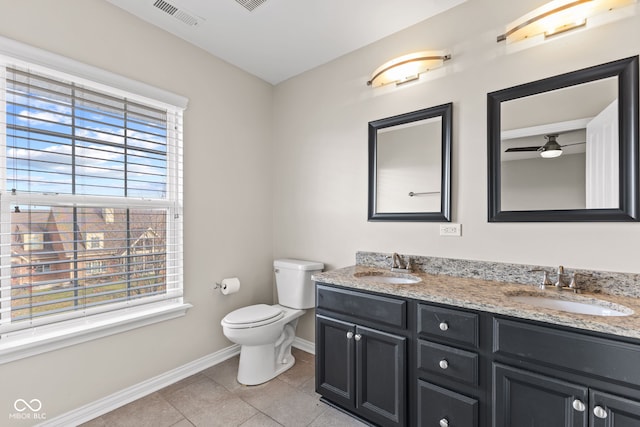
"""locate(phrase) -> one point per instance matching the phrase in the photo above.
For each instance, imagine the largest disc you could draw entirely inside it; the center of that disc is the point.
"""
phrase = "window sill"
(79, 332)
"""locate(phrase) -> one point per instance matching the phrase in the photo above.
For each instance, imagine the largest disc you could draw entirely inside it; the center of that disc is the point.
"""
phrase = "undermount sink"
(589, 306)
(390, 278)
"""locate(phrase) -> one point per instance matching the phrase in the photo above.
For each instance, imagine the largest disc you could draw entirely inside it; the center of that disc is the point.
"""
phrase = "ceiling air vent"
(250, 4)
(177, 13)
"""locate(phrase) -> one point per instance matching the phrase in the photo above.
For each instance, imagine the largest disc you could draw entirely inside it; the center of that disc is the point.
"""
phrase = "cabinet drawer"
(437, 404)
(446, 324)
(574, 351)
(374, 308)
(453, 363)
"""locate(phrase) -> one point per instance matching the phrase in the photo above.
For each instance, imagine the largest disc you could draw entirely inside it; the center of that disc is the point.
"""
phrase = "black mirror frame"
(627, 72)
(444, 111)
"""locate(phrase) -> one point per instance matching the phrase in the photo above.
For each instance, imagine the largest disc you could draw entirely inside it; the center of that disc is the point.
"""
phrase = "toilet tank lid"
(298, 264)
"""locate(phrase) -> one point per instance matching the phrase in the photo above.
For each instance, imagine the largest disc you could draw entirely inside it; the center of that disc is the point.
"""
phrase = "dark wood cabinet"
(381, 376)
(524, 398)
(438, 406)
(395, 361)
(360, 368)
(535, 400)
(607, 410)
(335, 356)
(577, 366)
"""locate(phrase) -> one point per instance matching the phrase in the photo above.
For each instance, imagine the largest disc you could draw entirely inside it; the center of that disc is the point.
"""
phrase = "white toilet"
(265, 332)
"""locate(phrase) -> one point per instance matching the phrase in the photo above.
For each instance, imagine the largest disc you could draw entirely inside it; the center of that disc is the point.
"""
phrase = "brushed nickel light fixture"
(407, 68)
(557, 17)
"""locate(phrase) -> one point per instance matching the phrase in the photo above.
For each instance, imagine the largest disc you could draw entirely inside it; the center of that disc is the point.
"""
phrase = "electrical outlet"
(451, 230)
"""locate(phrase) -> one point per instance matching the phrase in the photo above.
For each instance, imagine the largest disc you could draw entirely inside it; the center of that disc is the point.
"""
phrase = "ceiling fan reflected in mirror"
(549, 150)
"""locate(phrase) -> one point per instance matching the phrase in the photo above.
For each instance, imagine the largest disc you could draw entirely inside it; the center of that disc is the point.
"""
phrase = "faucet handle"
(574, 276)
(545, 278)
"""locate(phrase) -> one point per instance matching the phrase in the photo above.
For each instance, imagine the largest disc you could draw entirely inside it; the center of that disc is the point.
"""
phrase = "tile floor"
(213, 397)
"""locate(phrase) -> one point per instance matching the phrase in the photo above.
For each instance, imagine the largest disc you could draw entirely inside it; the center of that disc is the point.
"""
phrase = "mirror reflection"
(565, 148)
(409, 166)
(560, 149)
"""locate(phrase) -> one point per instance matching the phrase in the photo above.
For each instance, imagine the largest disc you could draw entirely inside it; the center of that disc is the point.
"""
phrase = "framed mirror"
(410, 166)
(565, 148)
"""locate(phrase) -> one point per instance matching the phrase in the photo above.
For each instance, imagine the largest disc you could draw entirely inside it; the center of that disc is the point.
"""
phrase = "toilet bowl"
(266, 332)
(266, 344)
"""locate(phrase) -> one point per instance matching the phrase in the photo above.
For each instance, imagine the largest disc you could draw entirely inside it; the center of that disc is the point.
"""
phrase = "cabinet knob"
(444, 364)
(349, 335)
(358, 337)
(444, 326)
(578, 405)
(600, 412)
(444, 422)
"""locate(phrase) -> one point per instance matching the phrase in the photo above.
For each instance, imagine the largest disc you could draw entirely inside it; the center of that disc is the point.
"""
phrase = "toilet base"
(258, 364)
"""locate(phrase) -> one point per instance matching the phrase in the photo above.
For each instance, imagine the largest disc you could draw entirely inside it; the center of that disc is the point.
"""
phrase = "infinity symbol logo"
(22, 405)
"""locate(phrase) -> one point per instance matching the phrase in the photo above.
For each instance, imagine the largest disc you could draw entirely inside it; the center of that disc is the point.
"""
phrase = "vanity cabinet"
(396, 361)
(361, 359)
(562, 378)
(448, 366)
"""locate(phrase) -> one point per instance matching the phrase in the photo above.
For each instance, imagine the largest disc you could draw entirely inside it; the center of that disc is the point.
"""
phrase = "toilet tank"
(294, 284)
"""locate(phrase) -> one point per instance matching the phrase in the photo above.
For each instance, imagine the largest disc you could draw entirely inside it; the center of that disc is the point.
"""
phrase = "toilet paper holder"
(228, 286)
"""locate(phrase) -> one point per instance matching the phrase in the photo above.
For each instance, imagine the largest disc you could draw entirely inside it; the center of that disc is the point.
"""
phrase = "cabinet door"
(335, 360)
(608, 410)
(381, 376)
(523, 398)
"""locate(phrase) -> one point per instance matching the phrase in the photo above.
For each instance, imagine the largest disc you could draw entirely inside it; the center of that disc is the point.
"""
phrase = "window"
(95, 268)
(95, 240)
(97, 171)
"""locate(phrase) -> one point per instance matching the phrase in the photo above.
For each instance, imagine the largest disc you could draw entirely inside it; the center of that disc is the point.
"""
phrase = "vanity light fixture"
(551, 149)
(407, 68)
(557, 17)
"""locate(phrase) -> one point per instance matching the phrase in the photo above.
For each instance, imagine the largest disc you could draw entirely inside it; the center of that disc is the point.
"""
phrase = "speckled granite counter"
(492, 296)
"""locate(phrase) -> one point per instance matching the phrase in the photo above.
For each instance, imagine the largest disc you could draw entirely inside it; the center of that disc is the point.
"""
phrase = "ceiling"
(279, 39)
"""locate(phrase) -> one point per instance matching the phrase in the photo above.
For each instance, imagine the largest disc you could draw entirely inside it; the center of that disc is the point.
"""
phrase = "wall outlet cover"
(451, 230)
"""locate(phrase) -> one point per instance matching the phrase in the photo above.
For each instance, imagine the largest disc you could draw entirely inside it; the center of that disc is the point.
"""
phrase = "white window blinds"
(90, 202)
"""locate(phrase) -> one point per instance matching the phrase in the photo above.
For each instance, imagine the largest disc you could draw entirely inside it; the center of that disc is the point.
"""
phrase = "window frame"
(99, 323)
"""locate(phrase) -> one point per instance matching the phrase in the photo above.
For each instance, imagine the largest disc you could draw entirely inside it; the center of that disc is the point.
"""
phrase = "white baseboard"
(137, 391)
(304, 345)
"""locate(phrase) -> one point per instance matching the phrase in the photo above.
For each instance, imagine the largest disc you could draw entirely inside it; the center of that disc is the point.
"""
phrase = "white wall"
(228, 198)
(320, 131)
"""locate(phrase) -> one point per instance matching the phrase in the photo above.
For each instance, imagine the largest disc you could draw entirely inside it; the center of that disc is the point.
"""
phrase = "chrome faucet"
(561, 282)
(396, 261)
(398, 265)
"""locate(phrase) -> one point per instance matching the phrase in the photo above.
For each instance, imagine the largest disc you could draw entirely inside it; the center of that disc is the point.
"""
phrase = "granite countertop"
(492, 296)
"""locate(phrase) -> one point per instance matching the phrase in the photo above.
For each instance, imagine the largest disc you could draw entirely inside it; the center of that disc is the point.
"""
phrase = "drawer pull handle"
(600, 412)
(444, 326)
(358, 337)
(578, 405)
(444, 364)
(444, 422)
(349, 335)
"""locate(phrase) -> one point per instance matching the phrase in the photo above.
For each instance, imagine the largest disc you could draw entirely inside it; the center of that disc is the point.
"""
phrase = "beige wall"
(538, 183)
(228, 198)
(320, 137)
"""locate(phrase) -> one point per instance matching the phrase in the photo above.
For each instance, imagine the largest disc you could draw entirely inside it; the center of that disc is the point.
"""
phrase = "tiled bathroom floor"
(213, 397)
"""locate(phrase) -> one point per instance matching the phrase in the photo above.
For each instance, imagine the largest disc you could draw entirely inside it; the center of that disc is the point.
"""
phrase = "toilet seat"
(252, 316)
